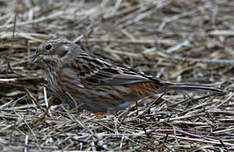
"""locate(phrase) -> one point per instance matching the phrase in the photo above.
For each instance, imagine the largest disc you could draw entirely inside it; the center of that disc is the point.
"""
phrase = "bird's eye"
(48, 47)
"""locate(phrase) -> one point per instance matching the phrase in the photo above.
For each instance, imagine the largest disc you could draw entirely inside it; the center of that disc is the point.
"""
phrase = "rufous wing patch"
(146, 88)
(143, 88)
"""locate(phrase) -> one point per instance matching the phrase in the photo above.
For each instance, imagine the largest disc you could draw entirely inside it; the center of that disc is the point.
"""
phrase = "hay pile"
(181, 41)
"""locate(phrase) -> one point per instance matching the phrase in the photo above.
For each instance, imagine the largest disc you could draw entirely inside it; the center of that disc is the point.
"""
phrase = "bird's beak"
(35, 57)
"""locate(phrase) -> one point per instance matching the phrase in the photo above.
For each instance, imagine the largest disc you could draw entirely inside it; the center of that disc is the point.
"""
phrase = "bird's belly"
(98, 98)
(102, 98)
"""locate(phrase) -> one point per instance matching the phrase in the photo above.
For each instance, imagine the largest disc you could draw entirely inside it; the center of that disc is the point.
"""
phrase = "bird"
(77, 77)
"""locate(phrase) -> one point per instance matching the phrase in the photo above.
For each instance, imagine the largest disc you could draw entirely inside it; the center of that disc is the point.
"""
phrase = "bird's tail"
(189, 87)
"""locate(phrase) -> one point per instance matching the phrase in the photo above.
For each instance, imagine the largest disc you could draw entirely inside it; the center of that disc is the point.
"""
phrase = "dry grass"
(175, 40)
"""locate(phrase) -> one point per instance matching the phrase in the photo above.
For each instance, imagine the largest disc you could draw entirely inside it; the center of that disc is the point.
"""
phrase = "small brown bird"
(76, 76)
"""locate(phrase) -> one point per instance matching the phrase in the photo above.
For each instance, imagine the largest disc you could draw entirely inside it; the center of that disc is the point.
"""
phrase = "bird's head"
(58, 48)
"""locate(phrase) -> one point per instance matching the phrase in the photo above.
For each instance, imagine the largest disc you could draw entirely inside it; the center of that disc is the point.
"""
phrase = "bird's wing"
(93, 71)
(99, 72)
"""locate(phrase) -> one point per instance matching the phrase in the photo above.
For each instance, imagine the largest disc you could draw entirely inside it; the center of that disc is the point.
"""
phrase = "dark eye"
(48, 46)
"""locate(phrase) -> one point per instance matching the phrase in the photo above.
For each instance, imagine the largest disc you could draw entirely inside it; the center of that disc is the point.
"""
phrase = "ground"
(180, 41)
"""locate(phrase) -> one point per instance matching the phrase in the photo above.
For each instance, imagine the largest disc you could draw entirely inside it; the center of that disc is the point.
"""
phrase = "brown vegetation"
(181, 41)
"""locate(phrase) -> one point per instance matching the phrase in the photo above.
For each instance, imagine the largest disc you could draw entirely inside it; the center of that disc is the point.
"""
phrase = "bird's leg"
(137, 112)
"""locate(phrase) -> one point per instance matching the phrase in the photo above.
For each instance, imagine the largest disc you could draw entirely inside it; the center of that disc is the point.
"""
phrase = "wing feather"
(99, 72)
